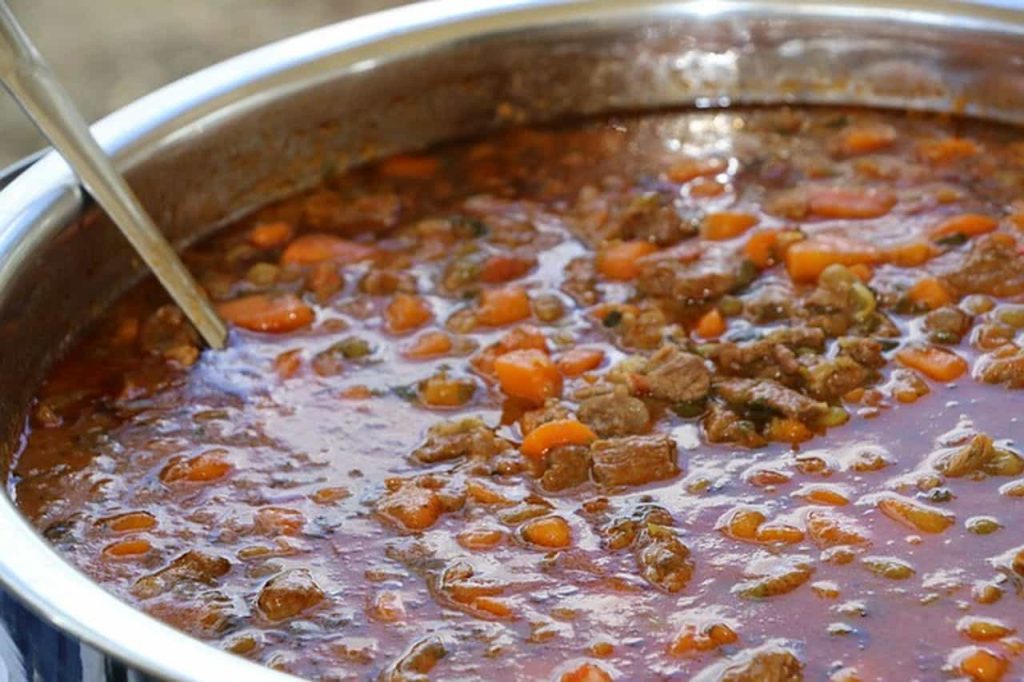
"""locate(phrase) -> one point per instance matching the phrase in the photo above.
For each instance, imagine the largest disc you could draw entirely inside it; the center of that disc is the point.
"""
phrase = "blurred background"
(110, 52)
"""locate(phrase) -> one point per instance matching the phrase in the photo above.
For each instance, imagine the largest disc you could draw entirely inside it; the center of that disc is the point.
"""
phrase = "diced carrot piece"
(529, 375)
(862, 271)
(267, 312)
(310, 249)
(548, 531)
(484, 494)
(726, 225)
(586, 672)
(522, 337)
(823, 493)
(279, 521)
(983, 629)
(205, 467)
(930, 292)
(760, 248)
(807, 259)
(618, 261)
(554, 434)
(866, 139)
(429, 345)
(982, 665)
(409, 167)
(711, 325)
(910, 254)
(127, 548)
(503, 268)
(741, 524)
(271, 235)
(789, 430)
(947, 149)
(937, 363)
(357, 392)
(967, 224)
(779, 533)
(693, 638)
(411, 506)
(850, 203)
(914, 514)
(704, 188)
(480, 538)
(407, 312)
(688, 169)
(503, 306)
(288, 363)
(130, 522)
(575, 362)
(498, 608)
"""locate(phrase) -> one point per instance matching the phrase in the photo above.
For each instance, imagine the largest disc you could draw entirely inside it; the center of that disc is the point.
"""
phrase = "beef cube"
(634, 460)
(753, 395)
(677, 376)
(615, 413)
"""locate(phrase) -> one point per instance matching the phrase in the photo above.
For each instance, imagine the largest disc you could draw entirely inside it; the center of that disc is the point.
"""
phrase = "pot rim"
(39, 203)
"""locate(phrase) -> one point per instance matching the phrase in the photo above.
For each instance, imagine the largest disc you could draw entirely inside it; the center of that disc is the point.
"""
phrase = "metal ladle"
(25, 74)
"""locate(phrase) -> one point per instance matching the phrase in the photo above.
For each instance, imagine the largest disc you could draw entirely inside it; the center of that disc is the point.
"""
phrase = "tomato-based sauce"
(712, 395)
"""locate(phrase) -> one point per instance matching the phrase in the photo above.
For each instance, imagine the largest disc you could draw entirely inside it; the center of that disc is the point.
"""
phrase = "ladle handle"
(28, 78)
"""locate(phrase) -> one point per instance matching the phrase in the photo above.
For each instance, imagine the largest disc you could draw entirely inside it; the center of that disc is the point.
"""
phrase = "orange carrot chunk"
(726, 225)
(760, 248)
(929, 292)
(310, 249)
(685, 170)
(267, 312)
(502, 268)
(967, 224)
(618, 261)
(586, 672)
(947, 149)
(407, 312)
(711, 324)
(579, 360)
(554, 434)
(127, 548)
(271, 235)
(850, 202)
(548, 531)
(866, 139)
(806, 260)
(429, 345)
(937, 363)
(503, 306)
(529, 375)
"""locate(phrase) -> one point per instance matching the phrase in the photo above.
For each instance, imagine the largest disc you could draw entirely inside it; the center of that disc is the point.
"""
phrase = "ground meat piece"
(993, 266)
(773, 661)
(947, 324)
(866, 352)
(289, 594)
(757, 395)
(663, 560)
(634, 460)
(1004, 366)
(829, 380)
(193, 566)
(685, 282)
(615, 413)
(169, 334)
(580, 281)
(567, 467)
(768, 303)
(470, 438)
(676, 376)
(722, 425)
(653, 217)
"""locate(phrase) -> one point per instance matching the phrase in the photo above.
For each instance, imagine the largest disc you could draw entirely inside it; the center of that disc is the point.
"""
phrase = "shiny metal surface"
(266, 123)
(29, 79)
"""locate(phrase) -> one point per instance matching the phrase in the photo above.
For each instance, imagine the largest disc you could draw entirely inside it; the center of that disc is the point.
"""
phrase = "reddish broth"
(631, 399)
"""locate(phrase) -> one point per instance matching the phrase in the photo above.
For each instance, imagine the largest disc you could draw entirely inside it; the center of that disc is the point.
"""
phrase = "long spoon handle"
(28, 78)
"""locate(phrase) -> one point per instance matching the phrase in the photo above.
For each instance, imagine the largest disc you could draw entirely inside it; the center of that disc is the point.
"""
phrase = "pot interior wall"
(281, 132)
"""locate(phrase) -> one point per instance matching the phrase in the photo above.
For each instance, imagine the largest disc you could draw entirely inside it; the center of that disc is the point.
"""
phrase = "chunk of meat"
(677, 376)
(289, 594)
(965, 459)
(634, 460)
(168, 333)
(328, 210)
(614, 413)
(1003, 366)
(664, 561)
(994, 266)
(722, 425)
(567, 467)
(469, 438)
(416, 663)
(773, 661)
(687, 281)
(831, 379)
(867, 352)
(193, 566)
(947, 324)
(652, 217)
(759, 395)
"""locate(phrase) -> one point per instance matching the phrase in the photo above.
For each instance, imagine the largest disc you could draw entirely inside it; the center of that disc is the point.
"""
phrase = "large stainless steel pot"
(264, 124)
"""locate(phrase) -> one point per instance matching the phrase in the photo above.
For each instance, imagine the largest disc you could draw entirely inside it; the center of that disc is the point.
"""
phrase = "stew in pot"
(689, 395)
